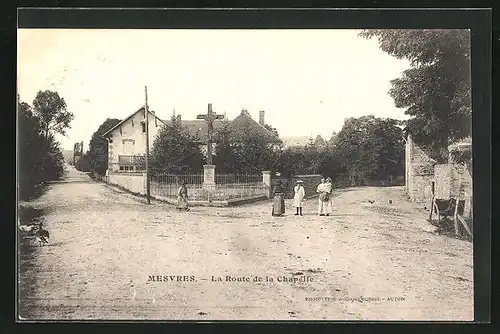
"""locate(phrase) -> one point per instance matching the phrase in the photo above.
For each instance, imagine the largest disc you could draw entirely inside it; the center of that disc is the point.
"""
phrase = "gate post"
(266, 181)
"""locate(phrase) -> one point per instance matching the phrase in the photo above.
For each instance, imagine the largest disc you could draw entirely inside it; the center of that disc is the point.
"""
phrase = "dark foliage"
(175, 151)
(435, 90)
(97, 157)
(40, 158)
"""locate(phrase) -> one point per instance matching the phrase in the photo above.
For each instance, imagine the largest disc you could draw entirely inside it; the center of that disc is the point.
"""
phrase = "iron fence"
(226, 187)
(167, 185)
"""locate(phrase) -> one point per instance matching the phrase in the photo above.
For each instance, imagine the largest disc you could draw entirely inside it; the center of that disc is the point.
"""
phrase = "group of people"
(324, 190)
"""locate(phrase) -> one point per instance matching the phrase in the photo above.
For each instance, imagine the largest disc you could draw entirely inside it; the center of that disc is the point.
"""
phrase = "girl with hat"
(298, 198)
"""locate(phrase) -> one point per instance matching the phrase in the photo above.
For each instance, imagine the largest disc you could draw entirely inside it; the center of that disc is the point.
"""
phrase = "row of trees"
(176, 151)
(366, 146)
(39, 155)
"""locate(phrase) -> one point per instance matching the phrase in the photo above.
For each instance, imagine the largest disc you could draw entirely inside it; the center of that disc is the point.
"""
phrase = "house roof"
(241, 125)
(244, 124)
(128, 117)
(199, 128)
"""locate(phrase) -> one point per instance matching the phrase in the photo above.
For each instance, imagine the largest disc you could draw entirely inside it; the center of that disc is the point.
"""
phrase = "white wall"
(134, 182)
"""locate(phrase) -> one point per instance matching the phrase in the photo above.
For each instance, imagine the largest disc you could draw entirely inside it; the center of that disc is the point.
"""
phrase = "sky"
(306, 81)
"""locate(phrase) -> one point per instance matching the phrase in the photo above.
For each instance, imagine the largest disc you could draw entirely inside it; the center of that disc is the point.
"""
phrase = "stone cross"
(209, 117)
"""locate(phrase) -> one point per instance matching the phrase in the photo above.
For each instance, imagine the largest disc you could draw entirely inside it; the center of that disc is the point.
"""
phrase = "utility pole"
(146, 111)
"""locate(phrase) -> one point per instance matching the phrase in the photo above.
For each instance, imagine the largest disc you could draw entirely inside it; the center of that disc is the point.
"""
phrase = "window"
(111, 141)
(143, 126)
(126, 168)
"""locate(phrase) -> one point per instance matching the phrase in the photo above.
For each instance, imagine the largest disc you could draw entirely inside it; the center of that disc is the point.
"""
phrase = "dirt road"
(367, 261)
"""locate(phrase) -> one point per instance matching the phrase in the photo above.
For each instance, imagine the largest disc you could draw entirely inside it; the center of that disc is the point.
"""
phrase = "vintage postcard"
(244, 174)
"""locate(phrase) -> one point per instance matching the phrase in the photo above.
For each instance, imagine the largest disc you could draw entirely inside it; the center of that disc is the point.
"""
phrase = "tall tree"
(175, 151)
(98, 148)
(435, 90)
(371, 146)
(245, 152)
(40, 158)
(224, 158)
(50, 108)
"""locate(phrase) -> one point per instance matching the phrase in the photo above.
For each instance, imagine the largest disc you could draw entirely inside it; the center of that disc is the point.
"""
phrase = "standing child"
(298, 198)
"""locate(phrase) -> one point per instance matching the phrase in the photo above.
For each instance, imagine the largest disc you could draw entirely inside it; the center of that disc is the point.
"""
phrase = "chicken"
(390, 201)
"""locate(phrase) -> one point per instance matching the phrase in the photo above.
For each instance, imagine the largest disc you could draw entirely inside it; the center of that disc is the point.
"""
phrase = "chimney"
(179, 119)
(261, 118)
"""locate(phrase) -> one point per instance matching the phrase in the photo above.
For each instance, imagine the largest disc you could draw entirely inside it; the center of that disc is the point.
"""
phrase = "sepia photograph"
(244, 174)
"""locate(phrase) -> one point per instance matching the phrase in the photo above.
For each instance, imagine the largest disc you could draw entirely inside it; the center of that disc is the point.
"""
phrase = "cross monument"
(210, 117)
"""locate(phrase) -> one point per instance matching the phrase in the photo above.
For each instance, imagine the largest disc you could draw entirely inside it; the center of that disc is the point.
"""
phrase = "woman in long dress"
(321, 200)
(182, 197)
(278, 201)
(328, 190)
(298, 198)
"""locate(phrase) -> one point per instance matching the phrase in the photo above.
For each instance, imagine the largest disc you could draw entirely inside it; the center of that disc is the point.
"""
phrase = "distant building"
(127, 139)
(303, 141)
(296, 141)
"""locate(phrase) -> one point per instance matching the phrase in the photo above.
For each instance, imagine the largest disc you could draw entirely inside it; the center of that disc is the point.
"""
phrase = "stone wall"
(419, 170)
(454, 181)
(310, 183)
(450, 180)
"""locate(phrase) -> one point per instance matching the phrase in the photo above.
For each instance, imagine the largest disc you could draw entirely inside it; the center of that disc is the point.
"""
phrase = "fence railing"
(167, 185)
(227, 187)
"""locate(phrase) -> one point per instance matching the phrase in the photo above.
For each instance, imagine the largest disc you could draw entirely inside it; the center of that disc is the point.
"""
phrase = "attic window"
(143, 127)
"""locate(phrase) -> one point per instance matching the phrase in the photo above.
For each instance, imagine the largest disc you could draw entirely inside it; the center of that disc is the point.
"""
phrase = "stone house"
(423, 174)
(127, 139)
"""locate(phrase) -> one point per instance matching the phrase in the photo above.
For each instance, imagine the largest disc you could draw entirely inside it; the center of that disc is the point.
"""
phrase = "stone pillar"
(209, 176)
(266, 181)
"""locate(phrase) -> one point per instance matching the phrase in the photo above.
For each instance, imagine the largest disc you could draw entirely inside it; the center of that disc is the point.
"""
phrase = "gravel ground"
(366, 261)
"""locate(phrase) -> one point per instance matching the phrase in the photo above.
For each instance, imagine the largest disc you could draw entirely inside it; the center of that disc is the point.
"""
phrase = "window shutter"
(121, 133)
